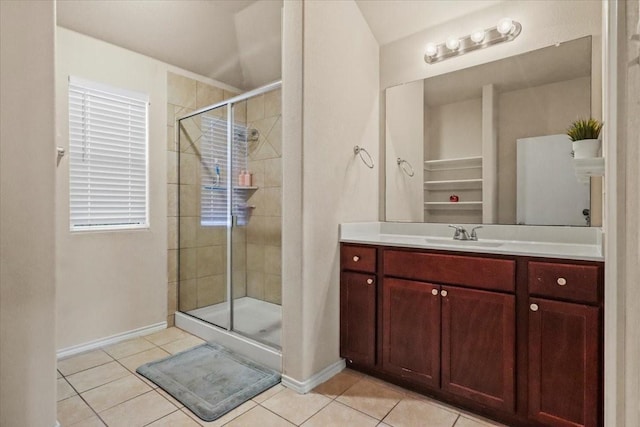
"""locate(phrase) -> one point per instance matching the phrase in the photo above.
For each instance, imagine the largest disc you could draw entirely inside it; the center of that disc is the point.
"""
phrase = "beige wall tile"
(94, 377)
(172, 233)
(115, 392)
(187, 264)
(256, 167)
(239, 260)
(177, 111)
(273, 201)
(210, 236)
(239, 283)
(188, 231)
(255, 257)
(188, 294)
(256, 230)
(188, 168)
(264, 150)
(275, 136)
(229, 94)
(181, 90)
(273, 103)
(273, 230)
(140, 410)
(256, 198)
(211, 290)
(273, 288)
(172, 144)
(172, 199)
(255, 284)
(172, 167)
(73, 410)
(172, 298)
(207, 95)
(190, 135)
(81, 362)
(172, 264)
(273, 259)
(273, 173)
(255, 108)
(128, 347)
(171, 320)
(205, 262)
(189, 200)
(240, 112)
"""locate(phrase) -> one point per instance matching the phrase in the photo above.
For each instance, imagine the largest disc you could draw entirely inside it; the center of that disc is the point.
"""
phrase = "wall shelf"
(476, 205)
(454, 164)
(454, 184)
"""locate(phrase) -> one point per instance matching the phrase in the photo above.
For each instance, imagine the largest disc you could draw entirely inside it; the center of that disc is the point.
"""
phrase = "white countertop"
(579, 243)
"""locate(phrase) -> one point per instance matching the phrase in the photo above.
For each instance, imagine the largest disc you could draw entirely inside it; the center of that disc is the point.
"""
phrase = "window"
(108, 130)
(213, 195)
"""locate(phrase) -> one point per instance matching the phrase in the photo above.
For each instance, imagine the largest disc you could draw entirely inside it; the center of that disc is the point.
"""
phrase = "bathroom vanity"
(510, 329)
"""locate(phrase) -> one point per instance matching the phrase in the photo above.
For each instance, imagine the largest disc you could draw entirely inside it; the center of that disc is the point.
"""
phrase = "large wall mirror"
(487, 144)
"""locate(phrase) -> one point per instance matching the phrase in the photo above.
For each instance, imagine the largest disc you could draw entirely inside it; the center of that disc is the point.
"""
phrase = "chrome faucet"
(461, 233)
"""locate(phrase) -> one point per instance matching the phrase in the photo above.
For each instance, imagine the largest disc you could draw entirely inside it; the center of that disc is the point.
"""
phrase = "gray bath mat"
(209, 379)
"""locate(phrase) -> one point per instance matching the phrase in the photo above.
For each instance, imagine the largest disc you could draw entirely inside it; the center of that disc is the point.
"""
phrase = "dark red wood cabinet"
(513, 338)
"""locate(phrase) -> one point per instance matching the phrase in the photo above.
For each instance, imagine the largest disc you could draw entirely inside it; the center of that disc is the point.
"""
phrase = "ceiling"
(391, 20)
(236, 42)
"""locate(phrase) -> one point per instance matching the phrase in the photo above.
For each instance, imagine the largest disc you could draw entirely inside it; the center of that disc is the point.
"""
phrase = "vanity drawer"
(358, 258)
(578, 283)
(477, 272)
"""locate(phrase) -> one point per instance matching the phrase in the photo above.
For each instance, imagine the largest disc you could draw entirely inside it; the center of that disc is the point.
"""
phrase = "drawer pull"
(534, 307)
(356, 258)
(561, 281)
(434, 292)
(369, 281)
(443, 293)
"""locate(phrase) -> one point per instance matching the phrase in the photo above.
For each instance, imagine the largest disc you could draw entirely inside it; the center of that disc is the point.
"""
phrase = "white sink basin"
(463, 243)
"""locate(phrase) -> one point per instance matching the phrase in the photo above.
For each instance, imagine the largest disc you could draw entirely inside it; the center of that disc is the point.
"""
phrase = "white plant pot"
(586, 148)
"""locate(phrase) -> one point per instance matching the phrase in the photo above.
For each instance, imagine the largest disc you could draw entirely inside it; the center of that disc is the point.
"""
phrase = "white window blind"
(214, 178)
(108, 130)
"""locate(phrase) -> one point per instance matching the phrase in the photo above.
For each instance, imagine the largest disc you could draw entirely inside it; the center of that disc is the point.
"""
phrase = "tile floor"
(101, 388)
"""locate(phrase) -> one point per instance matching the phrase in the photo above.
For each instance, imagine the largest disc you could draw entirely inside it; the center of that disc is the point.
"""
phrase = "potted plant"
(585, 135)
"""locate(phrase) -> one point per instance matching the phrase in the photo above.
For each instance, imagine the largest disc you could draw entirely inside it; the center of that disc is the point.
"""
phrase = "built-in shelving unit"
(453, 184)
(460, 176)
(474, 162)
(454, 205)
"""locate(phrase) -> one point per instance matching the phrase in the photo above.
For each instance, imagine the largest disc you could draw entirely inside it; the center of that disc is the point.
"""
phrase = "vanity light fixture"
(506, 31)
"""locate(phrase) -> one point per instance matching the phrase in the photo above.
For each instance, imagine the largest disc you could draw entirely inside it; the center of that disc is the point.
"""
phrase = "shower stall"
(229, 228)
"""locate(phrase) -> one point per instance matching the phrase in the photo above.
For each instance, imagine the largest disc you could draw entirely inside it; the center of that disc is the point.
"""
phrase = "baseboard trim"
(113, 339)
(304, 387)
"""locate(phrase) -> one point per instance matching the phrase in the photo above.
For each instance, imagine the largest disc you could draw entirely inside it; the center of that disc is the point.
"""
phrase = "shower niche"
(229, 216)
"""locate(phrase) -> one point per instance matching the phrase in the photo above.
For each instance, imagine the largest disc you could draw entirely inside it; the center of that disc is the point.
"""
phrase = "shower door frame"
(229, 103)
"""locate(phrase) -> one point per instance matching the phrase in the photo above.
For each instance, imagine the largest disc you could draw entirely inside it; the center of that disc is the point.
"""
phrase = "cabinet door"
(411, 330)
(358, 317)
(563, 363)
(478, 346)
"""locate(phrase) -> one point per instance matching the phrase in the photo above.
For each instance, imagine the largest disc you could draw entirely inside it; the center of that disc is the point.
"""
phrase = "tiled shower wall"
(256, 247)
(264, 260)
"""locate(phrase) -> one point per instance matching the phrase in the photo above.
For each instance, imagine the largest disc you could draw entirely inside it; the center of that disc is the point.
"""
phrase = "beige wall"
(537, 111)
(453, 130)
(27, 262)
(113, 282)
(340, 109)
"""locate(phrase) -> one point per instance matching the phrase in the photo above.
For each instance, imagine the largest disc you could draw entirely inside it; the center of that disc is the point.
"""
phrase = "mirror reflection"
(488, 143)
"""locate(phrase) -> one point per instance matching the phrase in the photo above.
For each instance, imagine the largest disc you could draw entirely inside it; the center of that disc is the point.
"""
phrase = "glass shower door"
(204, 216)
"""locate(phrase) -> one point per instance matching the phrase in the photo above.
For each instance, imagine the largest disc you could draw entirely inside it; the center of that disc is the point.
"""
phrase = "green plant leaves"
(584, 129)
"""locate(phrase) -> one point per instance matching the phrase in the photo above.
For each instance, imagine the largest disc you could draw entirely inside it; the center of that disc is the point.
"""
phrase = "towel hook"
(357, 150)
(406, 167)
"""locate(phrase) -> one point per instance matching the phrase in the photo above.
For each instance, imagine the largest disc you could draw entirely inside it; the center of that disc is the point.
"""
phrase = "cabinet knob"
(356, 258)
(434, 292)
(369, 281)
(561, 281)
(443, 293)
(534, 307)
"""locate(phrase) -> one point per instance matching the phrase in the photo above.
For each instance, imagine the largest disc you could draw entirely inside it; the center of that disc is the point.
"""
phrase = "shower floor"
(254, 318)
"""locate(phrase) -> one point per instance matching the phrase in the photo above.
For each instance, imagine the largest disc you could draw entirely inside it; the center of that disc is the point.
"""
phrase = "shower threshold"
(250, 315)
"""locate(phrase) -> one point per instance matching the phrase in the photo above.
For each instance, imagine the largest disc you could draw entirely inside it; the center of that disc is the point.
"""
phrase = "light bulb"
(431, 50)
(505, 26)
(477, 36)
(452, 43)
